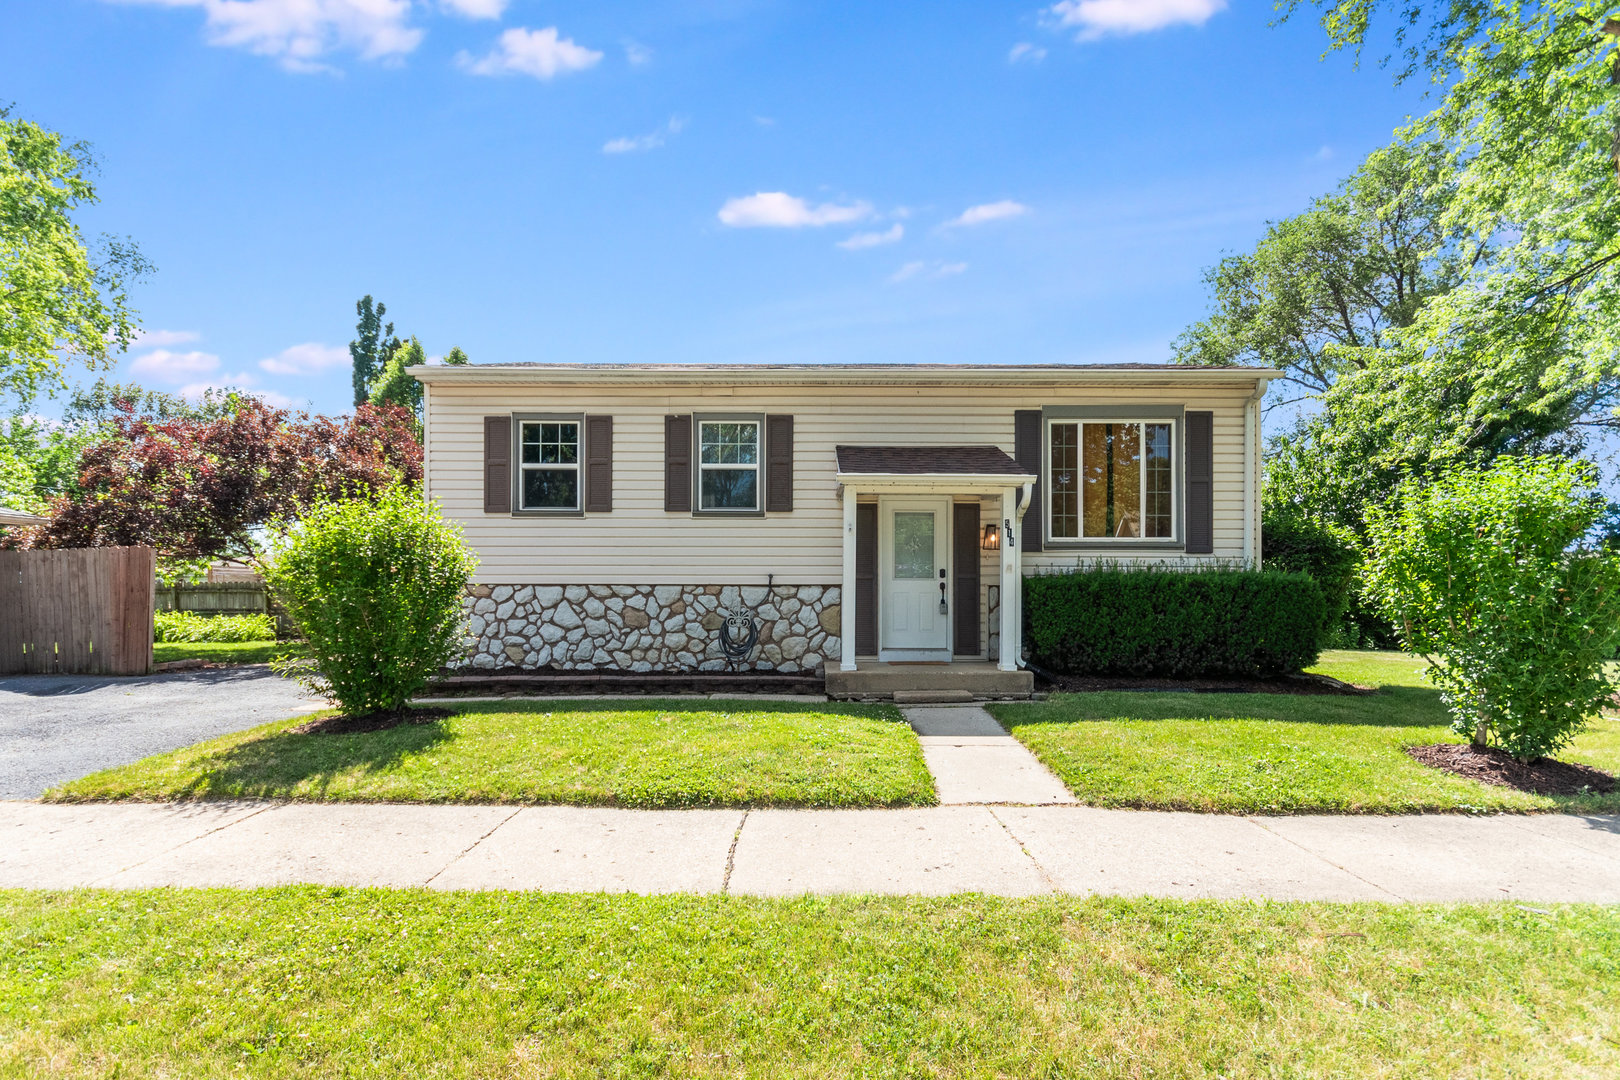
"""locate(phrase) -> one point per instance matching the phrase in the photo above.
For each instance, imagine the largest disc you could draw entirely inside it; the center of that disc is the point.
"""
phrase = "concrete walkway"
(1011, 851)
(975, 761)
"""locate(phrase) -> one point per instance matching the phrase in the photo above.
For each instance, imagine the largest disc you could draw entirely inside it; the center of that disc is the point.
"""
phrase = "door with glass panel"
(914, 610)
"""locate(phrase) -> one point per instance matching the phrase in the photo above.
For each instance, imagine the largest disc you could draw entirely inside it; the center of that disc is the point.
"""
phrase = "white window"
(728, 465)
(1111, 480)
(548, 465)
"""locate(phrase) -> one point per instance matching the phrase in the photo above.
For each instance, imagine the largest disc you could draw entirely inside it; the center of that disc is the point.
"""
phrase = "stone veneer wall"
(642, 628)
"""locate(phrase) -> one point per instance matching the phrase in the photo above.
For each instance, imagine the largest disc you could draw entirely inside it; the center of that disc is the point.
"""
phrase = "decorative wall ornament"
(739, 633)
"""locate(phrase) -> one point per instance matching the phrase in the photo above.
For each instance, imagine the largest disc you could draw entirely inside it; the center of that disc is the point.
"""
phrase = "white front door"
(913, 538)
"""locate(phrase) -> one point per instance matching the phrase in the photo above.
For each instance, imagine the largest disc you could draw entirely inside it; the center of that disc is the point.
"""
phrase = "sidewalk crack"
(189, 840)
(1051, 882)
(1318, 855)
(731, 855)
(464, 851)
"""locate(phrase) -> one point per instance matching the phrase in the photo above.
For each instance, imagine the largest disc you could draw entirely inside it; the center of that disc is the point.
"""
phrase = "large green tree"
(60, 299)
(1527, 346)
(373, 345)
(394, 386)
(1338, 278)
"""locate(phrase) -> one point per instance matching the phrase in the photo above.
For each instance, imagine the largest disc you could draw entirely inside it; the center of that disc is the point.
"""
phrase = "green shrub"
(1173, 623)
(1488, 574)
(376, 588)
(170, 626)
(1295, 543)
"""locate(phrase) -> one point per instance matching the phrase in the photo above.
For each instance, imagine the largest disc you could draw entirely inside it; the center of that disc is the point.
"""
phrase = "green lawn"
(619, 753)
(317, 982)
(234, 652)
(1277, 753)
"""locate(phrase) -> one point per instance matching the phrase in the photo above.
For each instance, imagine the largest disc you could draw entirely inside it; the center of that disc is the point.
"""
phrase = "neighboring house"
(871, 521)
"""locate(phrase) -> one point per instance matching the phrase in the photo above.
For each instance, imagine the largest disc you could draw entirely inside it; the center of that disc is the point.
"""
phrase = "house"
(871, 522)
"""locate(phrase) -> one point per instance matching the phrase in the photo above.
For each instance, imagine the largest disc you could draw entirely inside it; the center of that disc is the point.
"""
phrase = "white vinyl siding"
(642, 544)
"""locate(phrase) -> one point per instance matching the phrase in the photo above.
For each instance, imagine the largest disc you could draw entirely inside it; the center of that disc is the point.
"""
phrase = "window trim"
(518, 509)
(698, 420)
(1123, 414)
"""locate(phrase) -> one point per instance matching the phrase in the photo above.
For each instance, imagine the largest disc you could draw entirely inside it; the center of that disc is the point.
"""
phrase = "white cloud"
(242, 382)
(1099, 18)
(636, 53)
(779, 210)
(309, 358)
(927, 268)
(172, 366)
(630, 144)
(978, 215)
(1024, 52)
(1325, 153)
(860, 241)
(540, 53)
(299, 33)
(475, 9)
(157, 339)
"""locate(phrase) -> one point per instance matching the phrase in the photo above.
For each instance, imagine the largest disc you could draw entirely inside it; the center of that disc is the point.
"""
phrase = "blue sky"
(710, 181)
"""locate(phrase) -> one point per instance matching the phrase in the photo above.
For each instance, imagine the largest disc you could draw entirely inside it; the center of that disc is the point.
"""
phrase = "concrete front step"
(885, 681)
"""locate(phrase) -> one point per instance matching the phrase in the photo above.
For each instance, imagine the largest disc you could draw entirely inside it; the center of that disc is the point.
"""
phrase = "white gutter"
(835, 375)
(961, 483)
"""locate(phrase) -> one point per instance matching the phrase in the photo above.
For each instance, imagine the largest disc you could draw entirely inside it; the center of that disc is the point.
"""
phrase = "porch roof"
(978, 462)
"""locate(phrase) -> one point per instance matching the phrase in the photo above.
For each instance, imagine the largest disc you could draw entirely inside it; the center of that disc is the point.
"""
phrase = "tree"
(204, 488)
(58, 298)
(394, 386)
(455, 357)
(1337, 279)
(1489, 574)
(371, 348)
(1527, 126)
(376, 586)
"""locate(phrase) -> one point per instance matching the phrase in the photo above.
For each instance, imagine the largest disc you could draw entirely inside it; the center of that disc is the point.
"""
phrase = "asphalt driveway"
(55, 728)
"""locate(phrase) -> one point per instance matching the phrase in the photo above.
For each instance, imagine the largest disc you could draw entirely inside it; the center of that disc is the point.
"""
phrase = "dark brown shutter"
(866, 594)
(598, 464)
(1027, 452)
(497, 464)
(965, 539)
(678, 463)
(779, 464)
(1200, 480)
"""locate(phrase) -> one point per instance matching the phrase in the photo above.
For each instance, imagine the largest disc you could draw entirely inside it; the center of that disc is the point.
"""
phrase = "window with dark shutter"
(1200, 482)
(497, 464)
(678, 463)
(598, 464)
(1027, 452)
(779, 464)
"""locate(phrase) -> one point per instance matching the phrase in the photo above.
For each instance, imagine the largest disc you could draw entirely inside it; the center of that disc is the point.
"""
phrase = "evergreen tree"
(372, 347)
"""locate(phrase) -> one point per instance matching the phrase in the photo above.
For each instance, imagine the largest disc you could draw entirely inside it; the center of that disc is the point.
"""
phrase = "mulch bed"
(1496, 766)
(343, 724)
(1300, 683)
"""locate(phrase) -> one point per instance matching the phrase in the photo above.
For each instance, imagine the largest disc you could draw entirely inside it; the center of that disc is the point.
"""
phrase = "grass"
(611, 753)
(222, 652)
(1280, 754)
(320, 982)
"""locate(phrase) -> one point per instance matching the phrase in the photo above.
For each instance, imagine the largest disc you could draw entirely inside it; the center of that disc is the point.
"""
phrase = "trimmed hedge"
(1173, 623)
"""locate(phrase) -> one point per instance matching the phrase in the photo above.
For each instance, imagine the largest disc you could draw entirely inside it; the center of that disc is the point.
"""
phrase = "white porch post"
(1011, 625)
(846, 599)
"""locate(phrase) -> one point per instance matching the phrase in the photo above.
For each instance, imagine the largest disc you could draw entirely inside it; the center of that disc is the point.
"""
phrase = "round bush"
(376, 587)
(1490, 574)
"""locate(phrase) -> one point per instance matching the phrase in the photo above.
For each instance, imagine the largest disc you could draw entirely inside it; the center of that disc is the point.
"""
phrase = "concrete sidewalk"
(975, 762)
(1005, 850)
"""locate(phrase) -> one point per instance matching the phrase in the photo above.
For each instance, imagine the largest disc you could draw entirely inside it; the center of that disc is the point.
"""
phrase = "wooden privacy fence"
(79, 611)
(223, 598)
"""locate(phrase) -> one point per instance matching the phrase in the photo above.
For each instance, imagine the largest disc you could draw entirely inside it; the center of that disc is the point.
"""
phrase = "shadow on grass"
(273, 765)
(1391, 706)
(867, 711)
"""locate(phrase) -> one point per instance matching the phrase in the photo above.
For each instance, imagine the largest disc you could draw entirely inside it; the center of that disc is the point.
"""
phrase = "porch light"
(992, 538)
